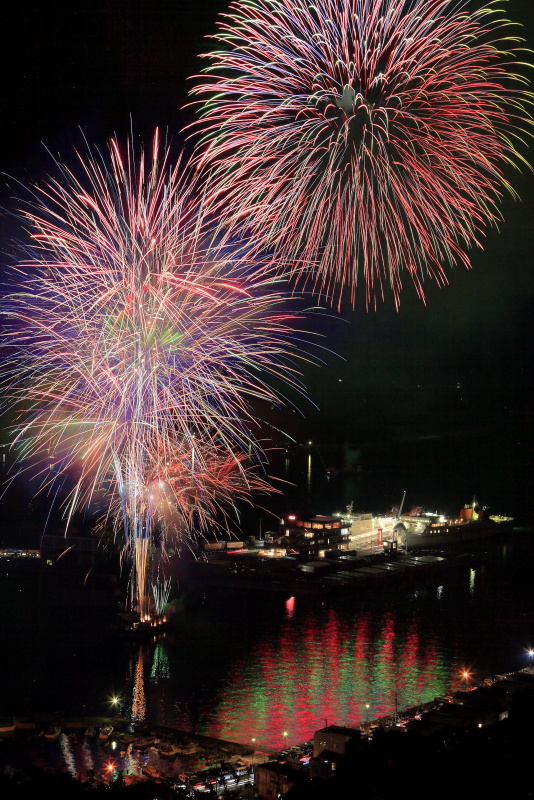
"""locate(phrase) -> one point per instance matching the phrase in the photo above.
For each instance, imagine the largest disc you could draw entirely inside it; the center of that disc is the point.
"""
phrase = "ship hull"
(456, 534)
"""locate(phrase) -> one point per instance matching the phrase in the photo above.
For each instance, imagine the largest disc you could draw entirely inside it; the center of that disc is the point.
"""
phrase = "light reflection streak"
(160, 664)
(68, 756)
(139, 697)
(332, 670)
(87, 757)
(472, 576)
(290, 607)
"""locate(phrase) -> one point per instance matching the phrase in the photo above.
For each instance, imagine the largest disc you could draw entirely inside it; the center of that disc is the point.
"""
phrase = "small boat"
(168, 749)
(105, 732)
(143, 742)
(151, 771)
(52, 733)
(189, 749)
(90, 732)
(127, 738)
(6, 727)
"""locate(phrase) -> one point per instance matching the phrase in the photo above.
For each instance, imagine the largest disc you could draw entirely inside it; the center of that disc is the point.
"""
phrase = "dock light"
(114, 700)
(530, 652)
(466, 675)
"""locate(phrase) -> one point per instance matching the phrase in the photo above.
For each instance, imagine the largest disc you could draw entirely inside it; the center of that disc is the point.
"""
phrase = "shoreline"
(122, 724)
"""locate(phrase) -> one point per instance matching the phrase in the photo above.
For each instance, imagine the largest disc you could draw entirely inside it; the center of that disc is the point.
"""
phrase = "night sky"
(449, 382)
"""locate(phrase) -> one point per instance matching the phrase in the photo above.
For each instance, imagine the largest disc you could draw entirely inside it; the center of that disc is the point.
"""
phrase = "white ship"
(418, 529)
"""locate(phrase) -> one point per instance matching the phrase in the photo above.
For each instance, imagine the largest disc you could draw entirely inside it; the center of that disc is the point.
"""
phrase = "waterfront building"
(311, 536)
(334, 738)
(330, 745)
(274, 779)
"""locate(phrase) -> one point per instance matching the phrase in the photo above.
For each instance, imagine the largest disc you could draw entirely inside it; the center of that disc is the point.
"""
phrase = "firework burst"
(362, 137)
(134, 344)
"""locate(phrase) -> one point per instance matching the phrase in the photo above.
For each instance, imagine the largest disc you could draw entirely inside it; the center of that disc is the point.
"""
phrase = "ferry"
(418, 529)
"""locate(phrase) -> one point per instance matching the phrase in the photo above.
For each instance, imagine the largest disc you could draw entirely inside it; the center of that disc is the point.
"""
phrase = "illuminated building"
(312, 536)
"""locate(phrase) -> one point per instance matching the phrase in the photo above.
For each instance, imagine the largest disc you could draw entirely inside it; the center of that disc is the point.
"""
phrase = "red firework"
(362, 136)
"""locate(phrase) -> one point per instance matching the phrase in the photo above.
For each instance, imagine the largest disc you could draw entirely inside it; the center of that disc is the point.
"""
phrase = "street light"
(466, 676)
(253, 751)
(367, 713)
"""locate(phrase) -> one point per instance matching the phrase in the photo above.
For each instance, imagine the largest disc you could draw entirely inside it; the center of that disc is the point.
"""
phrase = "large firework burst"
(362, 136)
(134, 346)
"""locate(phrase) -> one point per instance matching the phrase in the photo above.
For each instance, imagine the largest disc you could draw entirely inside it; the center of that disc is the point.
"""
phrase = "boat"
(142, 742)
(152, 772)
(417, 529)
(127, 738)
(168, 749)
(189, 749)
(52, 733)
(7, 726)
(90, 731)
(105, 732)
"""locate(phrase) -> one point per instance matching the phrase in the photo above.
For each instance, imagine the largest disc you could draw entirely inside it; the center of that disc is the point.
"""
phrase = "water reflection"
(139, 698)
(68, 755)
(87, 756)
(160, 664)
(341, 664)
(472, 576)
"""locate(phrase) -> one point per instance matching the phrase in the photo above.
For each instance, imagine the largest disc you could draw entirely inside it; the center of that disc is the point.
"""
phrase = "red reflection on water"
(324, 668)
(290, 607)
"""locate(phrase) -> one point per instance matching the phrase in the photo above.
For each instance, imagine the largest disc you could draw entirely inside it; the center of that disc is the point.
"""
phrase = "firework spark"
(362, 136)
(134, 346)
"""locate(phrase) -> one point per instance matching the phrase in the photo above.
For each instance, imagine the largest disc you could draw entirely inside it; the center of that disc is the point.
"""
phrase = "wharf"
(339, 572)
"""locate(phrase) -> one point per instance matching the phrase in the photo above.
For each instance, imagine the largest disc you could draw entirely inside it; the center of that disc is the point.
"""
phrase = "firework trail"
(183, 497)
(362, 136)
(134, 345)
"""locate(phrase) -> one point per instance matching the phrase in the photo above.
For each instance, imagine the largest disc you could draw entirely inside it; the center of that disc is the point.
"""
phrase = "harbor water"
(266, 666)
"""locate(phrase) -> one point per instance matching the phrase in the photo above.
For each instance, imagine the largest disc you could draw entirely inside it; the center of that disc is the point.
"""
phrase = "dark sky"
(456, 372)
